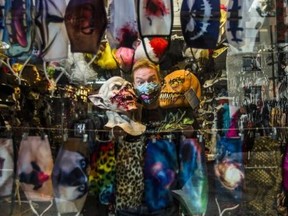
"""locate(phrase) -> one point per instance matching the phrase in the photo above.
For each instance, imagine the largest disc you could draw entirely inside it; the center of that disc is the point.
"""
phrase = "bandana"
(160, 168)
(193, 179)
(85, 21)
(148, 92)
(70, 176)
(19, 27)
(51, 35)
(200, 21)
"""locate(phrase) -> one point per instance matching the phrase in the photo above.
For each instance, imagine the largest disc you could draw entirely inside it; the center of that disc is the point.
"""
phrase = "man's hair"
(145, 63)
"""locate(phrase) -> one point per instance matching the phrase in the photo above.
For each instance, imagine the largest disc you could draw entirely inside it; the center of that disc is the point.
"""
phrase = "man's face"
(143, 75)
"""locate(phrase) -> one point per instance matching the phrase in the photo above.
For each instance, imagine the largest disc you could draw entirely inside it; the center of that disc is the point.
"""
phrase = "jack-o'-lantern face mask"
(181, 88)
(116, 94)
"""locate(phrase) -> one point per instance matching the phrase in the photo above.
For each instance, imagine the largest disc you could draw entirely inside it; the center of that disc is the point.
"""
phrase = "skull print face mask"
(181, 88)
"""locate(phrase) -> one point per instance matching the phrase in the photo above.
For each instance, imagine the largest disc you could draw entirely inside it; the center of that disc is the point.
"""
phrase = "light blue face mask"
(148, 92)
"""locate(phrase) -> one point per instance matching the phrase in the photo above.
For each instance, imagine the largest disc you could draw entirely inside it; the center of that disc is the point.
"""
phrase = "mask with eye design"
(175, 88)
(116, 94)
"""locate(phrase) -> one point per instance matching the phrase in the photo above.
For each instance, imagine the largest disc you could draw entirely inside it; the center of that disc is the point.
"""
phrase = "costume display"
(143, 108)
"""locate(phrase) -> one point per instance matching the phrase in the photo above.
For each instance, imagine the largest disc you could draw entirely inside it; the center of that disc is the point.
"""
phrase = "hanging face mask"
(160, 168)
(19, 27)
(155, 21)
(200, 22)
(102, 176)
(229, 170)
(193, 178)
(148, 92)
(85, 23)
(122, 26)
(6, 167)
(51, 36)
(243, 24)
(34, 168)
(70, 176)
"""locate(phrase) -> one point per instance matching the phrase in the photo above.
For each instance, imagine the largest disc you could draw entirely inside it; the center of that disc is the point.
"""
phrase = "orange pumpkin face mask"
(176, 87)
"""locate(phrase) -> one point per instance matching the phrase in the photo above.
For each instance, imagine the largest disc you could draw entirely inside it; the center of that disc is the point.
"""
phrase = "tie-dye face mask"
(102, 176)
(34, 168)
(160, 167)
(193, 180)
(70, 176)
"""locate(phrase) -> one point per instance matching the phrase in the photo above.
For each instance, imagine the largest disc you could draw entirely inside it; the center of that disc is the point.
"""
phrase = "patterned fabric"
(102, 175)
(18, 27)
(85, 22)
(200, 21)
(70, 176)
(193, 181)
(229, 170)
(263, 177)
(160, 173)
(129, 174)
(34, 168)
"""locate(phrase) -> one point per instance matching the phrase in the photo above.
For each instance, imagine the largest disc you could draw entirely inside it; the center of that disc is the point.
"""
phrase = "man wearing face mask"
(147, 84)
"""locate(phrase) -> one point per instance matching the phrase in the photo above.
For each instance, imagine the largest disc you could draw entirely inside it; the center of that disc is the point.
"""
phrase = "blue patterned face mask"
(148, 92)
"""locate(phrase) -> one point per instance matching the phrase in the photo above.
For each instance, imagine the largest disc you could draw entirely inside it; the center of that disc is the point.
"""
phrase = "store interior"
(143, 107)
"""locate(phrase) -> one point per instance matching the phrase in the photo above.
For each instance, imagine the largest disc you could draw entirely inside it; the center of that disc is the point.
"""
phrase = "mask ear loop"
(45, 210)
(142, 36)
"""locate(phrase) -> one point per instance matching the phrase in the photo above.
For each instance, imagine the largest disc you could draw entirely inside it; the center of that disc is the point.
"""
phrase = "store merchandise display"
(153, 107)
